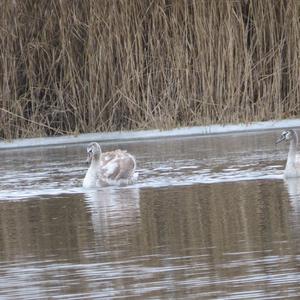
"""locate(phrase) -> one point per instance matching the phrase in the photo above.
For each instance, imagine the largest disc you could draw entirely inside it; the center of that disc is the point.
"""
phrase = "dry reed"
(72, 66)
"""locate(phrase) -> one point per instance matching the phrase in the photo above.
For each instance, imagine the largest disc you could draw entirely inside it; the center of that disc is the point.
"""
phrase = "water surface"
(209, 218)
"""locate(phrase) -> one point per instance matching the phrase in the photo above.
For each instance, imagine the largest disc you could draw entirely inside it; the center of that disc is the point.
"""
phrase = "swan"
(109, 168)
(292, 168)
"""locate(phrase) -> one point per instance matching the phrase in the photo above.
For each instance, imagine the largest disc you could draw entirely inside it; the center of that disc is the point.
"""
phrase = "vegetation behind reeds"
(101, 65)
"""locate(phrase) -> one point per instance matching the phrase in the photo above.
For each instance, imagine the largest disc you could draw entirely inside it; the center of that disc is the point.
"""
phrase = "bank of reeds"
(102, 65)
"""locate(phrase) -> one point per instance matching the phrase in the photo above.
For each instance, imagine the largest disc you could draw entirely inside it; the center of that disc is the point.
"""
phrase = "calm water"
(210, 218)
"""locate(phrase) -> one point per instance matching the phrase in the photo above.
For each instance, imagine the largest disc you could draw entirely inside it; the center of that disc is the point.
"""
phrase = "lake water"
(209, 218)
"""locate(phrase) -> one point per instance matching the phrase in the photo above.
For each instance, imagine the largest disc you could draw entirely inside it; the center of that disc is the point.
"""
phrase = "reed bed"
(72, 66)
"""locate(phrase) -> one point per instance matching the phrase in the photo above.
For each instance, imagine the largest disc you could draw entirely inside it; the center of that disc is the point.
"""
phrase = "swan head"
(93, 151)
(287, 135)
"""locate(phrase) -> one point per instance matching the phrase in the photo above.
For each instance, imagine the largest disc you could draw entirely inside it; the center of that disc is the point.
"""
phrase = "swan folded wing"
(116, 165)
(107, 157)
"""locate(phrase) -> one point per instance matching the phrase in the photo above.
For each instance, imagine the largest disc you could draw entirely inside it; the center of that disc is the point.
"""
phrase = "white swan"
(292, 168)
(109, 168)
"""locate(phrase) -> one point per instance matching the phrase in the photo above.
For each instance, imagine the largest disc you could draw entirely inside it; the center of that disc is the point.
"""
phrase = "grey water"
(210, 217)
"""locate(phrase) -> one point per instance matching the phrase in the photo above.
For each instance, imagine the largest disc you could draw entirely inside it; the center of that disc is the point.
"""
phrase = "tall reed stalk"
(72, 66)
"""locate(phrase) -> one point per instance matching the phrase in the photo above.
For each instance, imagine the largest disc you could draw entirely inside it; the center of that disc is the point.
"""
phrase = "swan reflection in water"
(113, 209)
(293, 188)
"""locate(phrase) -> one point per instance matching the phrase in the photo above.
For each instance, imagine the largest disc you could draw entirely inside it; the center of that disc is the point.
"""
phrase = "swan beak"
(282, 138)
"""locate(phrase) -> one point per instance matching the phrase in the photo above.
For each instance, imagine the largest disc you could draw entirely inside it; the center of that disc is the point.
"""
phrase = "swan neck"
(292, 151)
(95, 160)
(90, 178)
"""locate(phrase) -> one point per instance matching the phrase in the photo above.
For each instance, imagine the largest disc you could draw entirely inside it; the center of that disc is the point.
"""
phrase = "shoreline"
(125, 136)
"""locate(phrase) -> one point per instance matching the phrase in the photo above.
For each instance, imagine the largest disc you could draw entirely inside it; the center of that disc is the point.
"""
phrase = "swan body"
(292, 168)
(109, 168)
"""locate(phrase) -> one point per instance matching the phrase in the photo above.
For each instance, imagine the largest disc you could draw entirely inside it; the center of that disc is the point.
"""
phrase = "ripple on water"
(225, 241)
(170, 275)
(57, 178)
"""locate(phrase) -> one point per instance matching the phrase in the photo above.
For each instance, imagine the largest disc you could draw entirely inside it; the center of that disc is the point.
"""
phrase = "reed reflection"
(212, 216)
(56, 228)
(221, 231)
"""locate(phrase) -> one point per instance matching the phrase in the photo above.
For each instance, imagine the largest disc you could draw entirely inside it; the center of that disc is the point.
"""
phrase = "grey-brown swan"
(292, 168)
(109, 168)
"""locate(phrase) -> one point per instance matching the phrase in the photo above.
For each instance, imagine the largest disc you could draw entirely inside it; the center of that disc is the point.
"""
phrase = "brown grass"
(72, 66)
